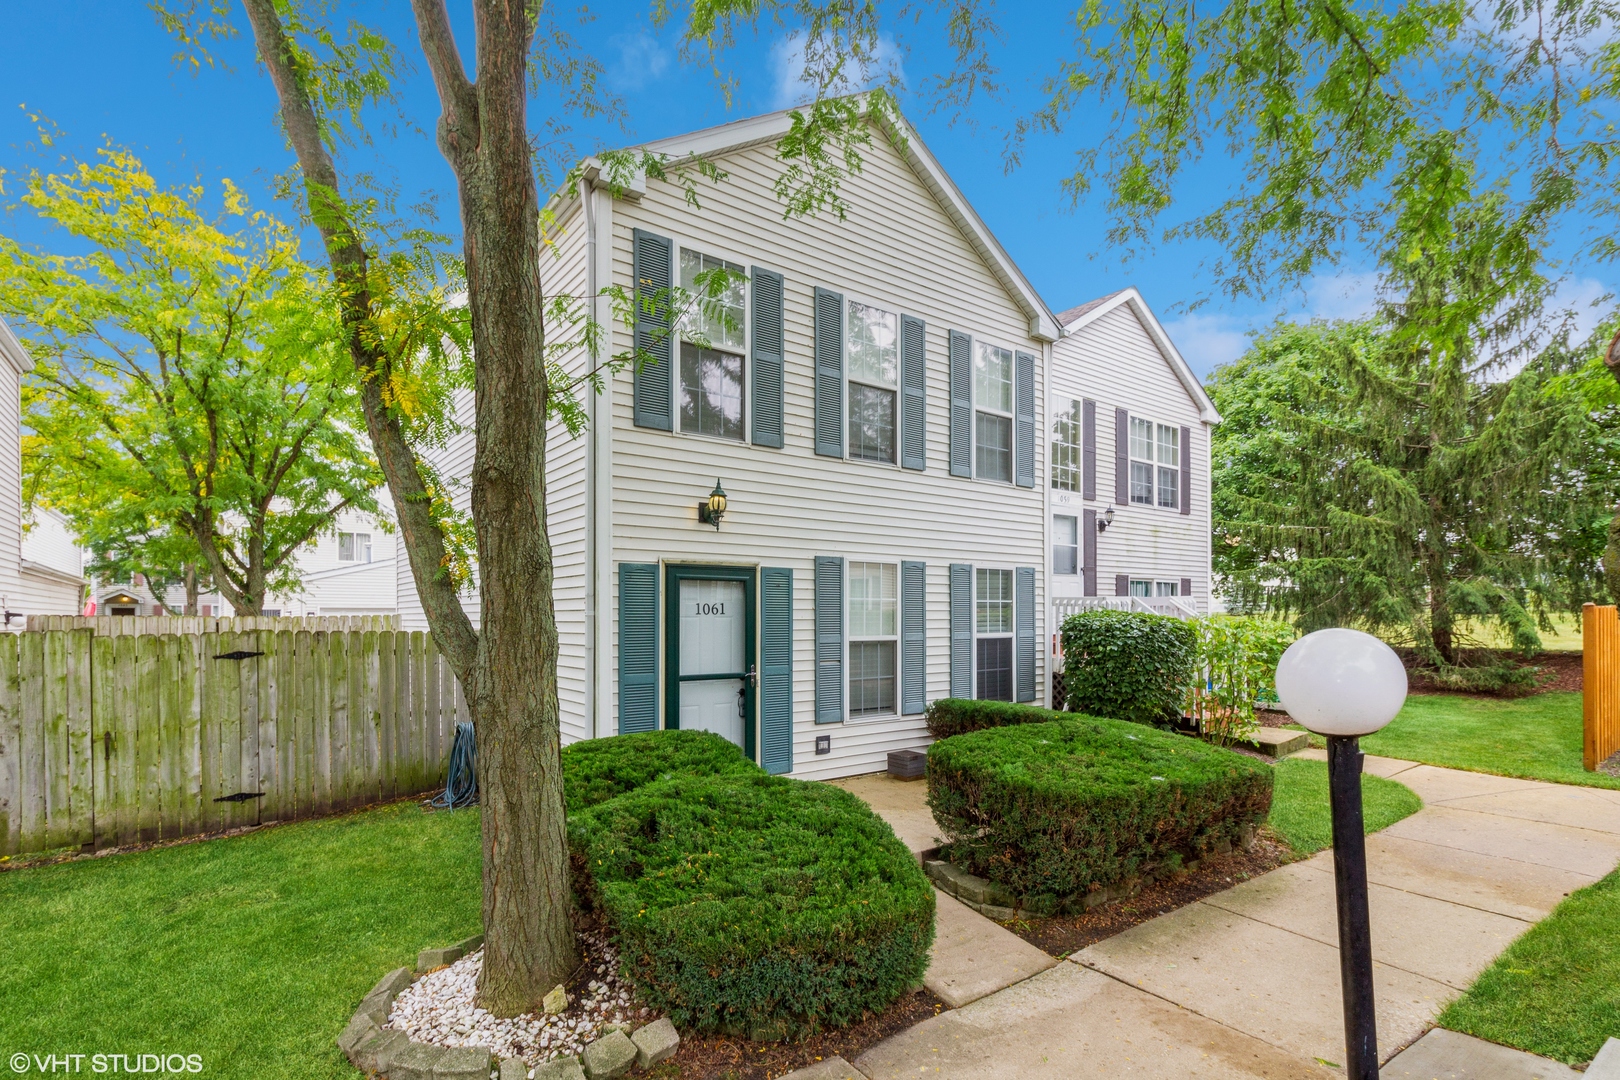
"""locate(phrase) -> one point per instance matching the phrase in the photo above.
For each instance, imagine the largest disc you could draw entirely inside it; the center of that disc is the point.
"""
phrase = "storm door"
(710, 636)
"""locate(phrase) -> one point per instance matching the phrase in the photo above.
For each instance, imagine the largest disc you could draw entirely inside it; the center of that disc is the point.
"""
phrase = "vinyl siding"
(898, 249)
(560, 273)
(10, 481)
(1115, 362)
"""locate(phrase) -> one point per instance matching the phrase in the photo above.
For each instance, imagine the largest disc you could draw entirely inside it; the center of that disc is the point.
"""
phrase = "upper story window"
(712, 335)
(874, 628)
(1065, 544)
(1066, 435)
(993, 628)
(354, 547)
(872, 352)
(993, 406)
(1155, 463)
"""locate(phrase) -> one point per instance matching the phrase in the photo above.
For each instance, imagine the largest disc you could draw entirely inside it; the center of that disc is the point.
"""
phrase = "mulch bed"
(1065, 934)
(720, 1058)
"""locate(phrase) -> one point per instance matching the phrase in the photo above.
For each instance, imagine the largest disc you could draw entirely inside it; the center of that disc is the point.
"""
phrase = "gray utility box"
(908, 764)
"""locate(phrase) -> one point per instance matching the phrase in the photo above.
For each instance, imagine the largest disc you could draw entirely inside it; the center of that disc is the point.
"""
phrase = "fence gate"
(110, 740)
(1600, 681)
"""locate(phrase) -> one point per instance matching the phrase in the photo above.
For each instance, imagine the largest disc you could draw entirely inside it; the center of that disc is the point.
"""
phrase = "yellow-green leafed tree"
(191, 410)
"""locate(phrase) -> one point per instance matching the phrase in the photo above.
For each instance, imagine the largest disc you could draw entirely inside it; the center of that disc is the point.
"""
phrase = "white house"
(873, 415)
(39, 564)
(1129, 482)
(347, 571)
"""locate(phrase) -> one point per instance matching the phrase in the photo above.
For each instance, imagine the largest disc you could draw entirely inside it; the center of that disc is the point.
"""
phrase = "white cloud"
(1208, 341)
(791, 88)
(1348, 295)
(641, 60)
(1587, 301)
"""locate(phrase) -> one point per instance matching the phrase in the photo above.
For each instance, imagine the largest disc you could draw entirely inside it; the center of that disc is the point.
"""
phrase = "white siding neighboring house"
(1129, 433)
(348, 571)
(37, 578)
(875, 420)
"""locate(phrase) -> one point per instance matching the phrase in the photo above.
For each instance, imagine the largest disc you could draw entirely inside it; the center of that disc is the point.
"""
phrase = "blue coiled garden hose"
(461, 782)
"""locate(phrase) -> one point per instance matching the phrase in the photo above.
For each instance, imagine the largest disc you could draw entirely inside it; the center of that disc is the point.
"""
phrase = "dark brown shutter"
(1186, 471)
(1088, 446)
(1122, 584)
(1122, 458)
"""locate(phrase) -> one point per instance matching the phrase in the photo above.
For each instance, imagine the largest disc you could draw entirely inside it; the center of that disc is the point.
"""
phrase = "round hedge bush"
(1053, 810)
(755, 905)
(596, 770)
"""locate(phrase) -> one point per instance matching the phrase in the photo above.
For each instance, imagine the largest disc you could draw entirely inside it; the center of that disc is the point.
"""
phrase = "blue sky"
(100, 70)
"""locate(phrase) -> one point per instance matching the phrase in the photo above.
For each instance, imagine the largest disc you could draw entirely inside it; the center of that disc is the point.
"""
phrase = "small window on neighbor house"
(1155, 464)
(1141, 588)
(354, 547)
(1167, 588)
(1066, 427)
(711, 354)
(874, 627)
(872, 357)
(993, 624)
(993, 406)
(1065, 544)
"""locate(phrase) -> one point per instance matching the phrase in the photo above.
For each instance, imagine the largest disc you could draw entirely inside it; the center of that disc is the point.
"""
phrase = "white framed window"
(354, 547)
(1155, 451)
(874, 634)
(1066, 436)
(993, 634)
(713, 330)
(992, 412)
(872, 371)
(1065, 544)
(1145, 587)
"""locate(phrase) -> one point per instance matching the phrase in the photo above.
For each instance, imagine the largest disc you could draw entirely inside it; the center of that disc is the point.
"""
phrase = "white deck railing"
(1176, 606)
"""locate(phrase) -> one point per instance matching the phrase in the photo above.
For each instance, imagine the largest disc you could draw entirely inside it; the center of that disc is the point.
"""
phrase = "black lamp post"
(1344, 684)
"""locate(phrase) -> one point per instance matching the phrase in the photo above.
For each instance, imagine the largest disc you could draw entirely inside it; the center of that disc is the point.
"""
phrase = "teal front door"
(710, 640)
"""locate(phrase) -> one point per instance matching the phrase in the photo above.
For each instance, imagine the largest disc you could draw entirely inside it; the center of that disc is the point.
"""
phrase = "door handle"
(752, 676)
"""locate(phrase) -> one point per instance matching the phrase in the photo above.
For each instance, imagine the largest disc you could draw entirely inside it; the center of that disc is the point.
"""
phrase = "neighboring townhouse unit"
(1129, 480)
(872, 411)
(347, 571)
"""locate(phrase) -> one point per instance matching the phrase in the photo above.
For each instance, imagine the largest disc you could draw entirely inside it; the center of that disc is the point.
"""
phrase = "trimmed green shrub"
(1053, 810)
(1127, 665)
(957, 716)
(596, 770)
(755, 903)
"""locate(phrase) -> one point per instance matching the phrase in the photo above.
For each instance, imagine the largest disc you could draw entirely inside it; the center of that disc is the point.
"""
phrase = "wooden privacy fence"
(1600, 680)
(208, 624)
(108, 740)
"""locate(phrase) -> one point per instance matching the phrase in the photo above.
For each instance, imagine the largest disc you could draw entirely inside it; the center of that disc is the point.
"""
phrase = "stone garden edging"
(377, 1050)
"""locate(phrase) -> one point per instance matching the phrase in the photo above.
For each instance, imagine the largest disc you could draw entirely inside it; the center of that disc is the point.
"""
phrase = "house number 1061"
(711, 609)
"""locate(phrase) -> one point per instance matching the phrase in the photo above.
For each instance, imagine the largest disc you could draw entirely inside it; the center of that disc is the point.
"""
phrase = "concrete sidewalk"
(1246, 983)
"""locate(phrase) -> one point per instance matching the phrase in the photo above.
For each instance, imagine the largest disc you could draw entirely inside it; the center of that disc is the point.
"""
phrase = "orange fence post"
(1600, 679)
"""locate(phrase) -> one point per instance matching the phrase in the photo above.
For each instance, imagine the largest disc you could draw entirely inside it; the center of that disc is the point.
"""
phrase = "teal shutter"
(776, 669)
(913, 638)
(961, 357)
(1024, 633)
(1024, 419)
(654, 378)
(961, 630)
(829, 639)
(767, 358)
(829, 373)
(638, 647)
(913, 394)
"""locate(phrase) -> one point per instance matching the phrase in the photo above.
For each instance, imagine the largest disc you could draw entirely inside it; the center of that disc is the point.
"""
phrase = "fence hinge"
(239, 654)
(241, 796)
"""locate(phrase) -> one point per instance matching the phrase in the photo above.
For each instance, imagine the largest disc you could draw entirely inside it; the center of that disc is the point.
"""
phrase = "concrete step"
(1277, 742)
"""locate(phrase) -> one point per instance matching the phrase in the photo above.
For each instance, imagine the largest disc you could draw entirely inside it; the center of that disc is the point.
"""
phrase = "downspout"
(592, 467)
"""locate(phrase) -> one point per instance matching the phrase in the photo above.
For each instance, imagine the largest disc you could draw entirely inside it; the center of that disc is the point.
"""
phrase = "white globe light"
(1341, 682)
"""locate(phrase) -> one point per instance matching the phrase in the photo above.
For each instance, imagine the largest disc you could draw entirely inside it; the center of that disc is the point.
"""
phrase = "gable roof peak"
(1076, 319)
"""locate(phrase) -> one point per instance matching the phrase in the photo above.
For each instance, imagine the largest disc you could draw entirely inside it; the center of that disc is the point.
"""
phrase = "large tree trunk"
(484, 135)
(508, 667)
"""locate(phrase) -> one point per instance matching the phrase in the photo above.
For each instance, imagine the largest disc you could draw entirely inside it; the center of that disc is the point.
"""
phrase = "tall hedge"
(958, 716)
(754, 903)
(596, 770)
(1127, 665)
(1055, 809)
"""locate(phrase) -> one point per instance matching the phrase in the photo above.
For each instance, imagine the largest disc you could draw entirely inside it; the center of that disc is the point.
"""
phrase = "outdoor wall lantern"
(1106, 519)
(713, 509)
(1345, 684)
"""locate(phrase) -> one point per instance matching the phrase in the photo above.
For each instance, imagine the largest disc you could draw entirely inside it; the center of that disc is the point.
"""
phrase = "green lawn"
(1299, 804)
(1536, 737)
(250, 951)
(1555, 991)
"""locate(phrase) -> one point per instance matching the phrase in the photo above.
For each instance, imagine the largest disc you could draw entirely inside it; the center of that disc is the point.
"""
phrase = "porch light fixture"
(1105, 520)
(1345, 684)
(714, 508)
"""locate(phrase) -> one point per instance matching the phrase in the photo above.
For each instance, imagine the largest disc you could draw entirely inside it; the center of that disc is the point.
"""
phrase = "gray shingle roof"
(1064, 318)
